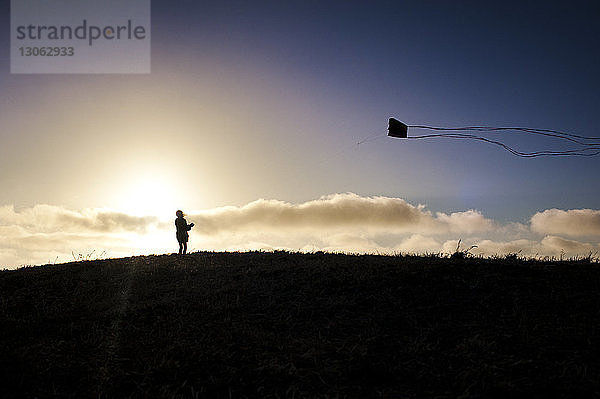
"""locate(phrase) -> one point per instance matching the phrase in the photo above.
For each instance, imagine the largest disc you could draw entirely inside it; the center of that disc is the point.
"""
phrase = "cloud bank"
(339, 222)
(47, 218)
(339, 212)
(573, 223)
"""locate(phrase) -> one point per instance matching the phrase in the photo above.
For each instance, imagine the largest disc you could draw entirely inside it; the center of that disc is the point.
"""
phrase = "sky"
(249, 120)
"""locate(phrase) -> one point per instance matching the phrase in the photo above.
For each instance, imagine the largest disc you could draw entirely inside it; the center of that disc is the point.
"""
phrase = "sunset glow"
(148, 195)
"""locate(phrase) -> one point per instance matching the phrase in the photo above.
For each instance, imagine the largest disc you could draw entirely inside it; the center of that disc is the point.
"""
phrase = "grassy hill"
(296, 325)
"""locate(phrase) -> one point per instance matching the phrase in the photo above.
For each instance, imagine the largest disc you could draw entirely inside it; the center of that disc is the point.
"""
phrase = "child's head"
(179, 214)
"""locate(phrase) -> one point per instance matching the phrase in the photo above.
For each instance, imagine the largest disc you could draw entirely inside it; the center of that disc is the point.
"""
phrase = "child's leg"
(184, 247)
(180, 247)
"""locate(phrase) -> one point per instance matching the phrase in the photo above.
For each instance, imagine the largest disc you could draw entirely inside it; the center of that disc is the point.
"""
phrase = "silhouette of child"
(182, 231)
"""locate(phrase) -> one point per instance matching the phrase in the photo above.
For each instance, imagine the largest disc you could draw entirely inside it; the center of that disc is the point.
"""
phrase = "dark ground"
(300, 325)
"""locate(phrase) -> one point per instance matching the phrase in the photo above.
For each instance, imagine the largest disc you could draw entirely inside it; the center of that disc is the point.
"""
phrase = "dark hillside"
(297, 325)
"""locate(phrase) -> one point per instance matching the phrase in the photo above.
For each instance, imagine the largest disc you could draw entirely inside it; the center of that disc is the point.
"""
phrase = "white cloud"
(339, 212)
(45, 234)
(555, 245)
(339, 222)
(574, 222)
(418, 244)
(466, 222)
(48, 218)
(522, 247)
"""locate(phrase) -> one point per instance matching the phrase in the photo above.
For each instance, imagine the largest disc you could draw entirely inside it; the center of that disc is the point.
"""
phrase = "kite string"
(372, 137)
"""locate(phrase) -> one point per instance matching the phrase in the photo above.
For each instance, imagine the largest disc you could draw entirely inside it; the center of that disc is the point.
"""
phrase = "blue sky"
(250, 100)
(436, 63)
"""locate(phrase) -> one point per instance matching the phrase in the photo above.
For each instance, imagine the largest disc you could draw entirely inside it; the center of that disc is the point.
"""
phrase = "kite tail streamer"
(587, 146)
(581, 140)
(582, 152)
